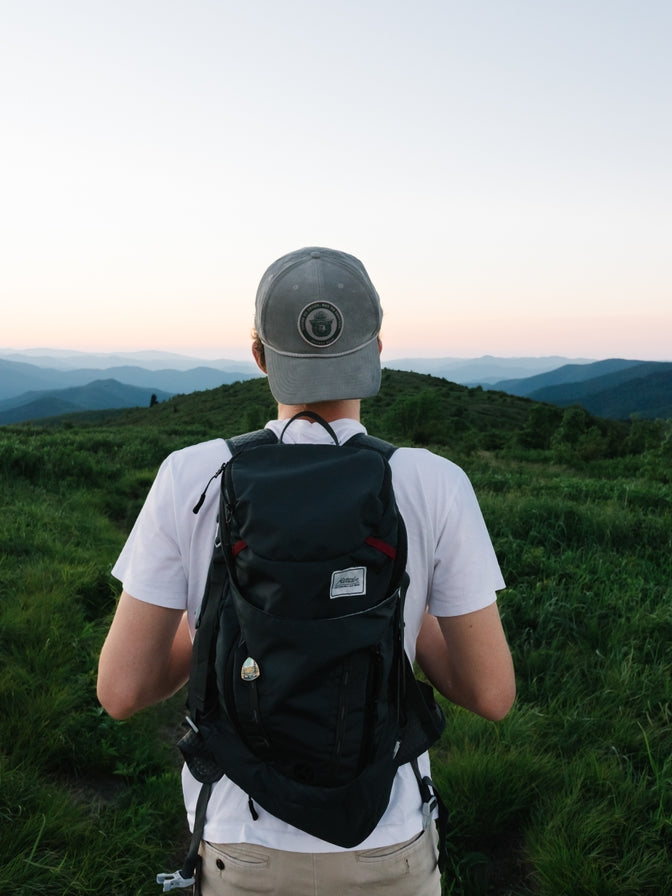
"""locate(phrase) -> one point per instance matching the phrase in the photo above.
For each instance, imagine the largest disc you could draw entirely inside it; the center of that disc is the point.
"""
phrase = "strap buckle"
(174, 881)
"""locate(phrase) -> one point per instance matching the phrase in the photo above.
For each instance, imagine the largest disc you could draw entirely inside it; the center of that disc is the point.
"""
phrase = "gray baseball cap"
(318, 317)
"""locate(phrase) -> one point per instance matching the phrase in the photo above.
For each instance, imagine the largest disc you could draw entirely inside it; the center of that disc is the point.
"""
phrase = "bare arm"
(467, 659)
(145, 657)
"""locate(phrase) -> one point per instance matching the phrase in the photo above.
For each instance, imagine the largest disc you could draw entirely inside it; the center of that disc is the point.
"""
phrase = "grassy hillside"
(570, 795)
(416, 408)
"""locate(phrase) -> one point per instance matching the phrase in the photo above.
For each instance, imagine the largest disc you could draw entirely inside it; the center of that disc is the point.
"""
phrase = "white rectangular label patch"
(348, 582)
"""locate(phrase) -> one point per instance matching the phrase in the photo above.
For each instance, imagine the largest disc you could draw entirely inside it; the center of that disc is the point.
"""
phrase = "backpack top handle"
(315, 418)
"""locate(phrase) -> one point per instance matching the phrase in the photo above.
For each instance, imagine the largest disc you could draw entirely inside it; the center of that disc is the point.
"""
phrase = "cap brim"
(297, 380)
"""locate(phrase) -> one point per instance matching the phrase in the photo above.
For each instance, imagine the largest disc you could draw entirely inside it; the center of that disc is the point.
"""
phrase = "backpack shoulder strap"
(217, 576)
(425, 720)
(366, 441)
(238, 444)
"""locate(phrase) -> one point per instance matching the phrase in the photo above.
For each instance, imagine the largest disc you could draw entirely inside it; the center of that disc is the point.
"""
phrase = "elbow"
(115, 703)
(496, 703)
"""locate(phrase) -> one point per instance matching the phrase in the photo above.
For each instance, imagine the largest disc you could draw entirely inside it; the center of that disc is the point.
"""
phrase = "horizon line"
(235, 355)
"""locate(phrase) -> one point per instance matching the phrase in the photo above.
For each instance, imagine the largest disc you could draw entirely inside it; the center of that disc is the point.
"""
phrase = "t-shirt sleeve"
(150, 566)
(452, 564)
(466, 574)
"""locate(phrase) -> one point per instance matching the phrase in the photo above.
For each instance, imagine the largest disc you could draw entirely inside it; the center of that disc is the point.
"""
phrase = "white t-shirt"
(451, 563)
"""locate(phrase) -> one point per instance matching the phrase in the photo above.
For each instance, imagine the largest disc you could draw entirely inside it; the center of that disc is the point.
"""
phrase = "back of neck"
(343, 409)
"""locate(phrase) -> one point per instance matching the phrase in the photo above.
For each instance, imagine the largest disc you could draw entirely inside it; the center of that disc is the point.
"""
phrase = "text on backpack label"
(348, 582)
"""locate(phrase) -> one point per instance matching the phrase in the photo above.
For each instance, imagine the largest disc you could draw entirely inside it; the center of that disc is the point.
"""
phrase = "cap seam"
(349, 351)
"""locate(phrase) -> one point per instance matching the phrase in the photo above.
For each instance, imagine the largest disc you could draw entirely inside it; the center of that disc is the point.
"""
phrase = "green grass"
(84, 801)
(570, 794)
(578, 780)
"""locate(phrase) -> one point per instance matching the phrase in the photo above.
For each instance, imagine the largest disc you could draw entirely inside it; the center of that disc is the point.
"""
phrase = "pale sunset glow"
(502, 170)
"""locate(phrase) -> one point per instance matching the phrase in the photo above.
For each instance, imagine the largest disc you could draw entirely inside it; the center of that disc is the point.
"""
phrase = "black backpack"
(300, 689)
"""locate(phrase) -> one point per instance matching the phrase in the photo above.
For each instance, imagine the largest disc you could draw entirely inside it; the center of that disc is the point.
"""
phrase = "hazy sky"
(503, 168)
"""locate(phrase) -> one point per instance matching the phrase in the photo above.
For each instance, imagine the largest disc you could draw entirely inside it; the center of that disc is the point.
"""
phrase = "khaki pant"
(405, 869)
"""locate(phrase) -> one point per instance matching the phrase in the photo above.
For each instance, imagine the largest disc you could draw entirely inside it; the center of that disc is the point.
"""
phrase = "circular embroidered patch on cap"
(320, 324)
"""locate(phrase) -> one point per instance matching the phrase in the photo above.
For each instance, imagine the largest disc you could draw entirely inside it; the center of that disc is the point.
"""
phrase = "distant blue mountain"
(613, 388)
(648, 396)
(18, 377)
(98, 395)
(48, 369)
(47, 385)
(566, 373)
(66, 359)
(484, 371)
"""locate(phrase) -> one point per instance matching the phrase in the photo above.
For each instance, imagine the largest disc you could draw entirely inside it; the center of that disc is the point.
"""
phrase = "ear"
(380, 346)
(258, 353)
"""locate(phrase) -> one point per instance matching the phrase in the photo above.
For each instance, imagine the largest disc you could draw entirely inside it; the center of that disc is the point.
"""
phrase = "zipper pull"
(200, 501)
